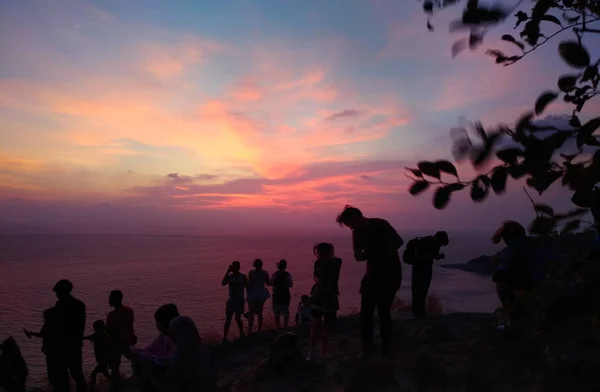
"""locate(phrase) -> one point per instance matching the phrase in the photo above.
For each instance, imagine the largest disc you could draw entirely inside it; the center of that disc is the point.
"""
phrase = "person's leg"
(385, 301)
(328, 320)
(115, 373)
(367, 307)
(250, 316)
(427, 275)
(226, 327)
(58, 373)
(419, 295)
(259, 314)
(315, 331)
(277, 314)
(286, 317)
(93, 377)
(238, 321)
(76, 368)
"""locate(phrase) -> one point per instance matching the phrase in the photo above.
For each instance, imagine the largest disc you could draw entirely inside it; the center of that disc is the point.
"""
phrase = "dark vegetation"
(541, 155)
(557, 328)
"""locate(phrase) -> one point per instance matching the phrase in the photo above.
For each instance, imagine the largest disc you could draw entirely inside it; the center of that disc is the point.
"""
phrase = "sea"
(152, 270)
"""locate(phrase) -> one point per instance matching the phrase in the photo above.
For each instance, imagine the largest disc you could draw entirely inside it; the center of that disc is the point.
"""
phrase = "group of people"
(176, 359)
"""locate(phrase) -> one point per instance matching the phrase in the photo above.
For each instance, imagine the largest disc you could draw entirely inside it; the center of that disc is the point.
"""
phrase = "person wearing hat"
(282, 282)
(236, 303)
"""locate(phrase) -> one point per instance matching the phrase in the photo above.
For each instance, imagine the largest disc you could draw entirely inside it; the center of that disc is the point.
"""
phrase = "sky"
(213, 116)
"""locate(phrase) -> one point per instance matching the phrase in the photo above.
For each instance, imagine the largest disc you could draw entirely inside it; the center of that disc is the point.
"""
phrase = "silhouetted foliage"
(542, 154)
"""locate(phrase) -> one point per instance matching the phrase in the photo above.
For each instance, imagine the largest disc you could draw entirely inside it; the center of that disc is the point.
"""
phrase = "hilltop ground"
(445, 352)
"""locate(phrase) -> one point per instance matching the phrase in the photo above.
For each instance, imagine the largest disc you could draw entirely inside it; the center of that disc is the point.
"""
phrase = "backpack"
(409, 252)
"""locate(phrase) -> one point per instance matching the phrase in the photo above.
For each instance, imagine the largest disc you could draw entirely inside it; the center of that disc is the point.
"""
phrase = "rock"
(285, 355)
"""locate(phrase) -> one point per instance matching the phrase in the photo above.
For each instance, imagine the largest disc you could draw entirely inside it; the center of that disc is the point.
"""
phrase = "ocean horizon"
(187, 270)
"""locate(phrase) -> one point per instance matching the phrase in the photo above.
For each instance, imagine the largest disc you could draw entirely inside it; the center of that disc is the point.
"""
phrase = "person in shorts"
(236, 303)
(282, 283)
(258, 293)
(324, 296)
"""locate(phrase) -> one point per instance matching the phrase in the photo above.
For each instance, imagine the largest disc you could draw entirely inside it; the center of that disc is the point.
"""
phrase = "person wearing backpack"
(420, 253)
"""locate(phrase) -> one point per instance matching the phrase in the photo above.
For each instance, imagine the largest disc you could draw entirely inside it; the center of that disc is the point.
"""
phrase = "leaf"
(591, 126)
(567, 83)
(499, 177)
(415, 172)
(441, 198)
(542, 225)
(551, 18)
(457, 186)
(583, 199)
(446, 167)
(544, 100)
(574, 122)
(524, 122)
(517, 171)
(571, 226)
(418, 187)
(429, 169)
(509, 155)
(510, 38)
(576, 212)
(574, 54)
(542, 182)
(544, 209)
(458, 47)
(478, 192)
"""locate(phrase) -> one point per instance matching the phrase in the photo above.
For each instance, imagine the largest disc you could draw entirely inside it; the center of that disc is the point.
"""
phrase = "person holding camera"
(236, 303)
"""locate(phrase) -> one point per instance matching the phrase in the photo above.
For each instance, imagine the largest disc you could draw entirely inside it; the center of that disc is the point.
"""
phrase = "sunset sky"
(244, 113)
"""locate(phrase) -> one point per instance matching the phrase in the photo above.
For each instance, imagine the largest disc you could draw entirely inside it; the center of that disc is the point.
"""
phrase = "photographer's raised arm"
(357, 245)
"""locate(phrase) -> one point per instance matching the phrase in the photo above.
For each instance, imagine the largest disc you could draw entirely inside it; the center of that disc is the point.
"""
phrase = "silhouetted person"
(520, 270)
(376, 242)
(303, 313)
(237, 283)
(13, 369)
(119, 328)
(100, 340)
(258, 293)
(421, 252)
(51, 347)
(324, 296)
(72, 313)
(145, 362)
(282, 282)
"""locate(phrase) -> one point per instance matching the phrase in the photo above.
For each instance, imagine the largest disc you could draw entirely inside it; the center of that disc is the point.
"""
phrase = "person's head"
(236, 266)
(115, 298)
(282, 265)
(98, 326)
(508, 232)
(305, 299)
(63, 288)
(350, 217)
(10, 348)
(323, 250)
(441, 237)
(258, 264)
(163, 317)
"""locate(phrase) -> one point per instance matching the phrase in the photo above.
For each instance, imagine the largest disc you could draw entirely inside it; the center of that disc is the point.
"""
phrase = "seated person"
(303, 315)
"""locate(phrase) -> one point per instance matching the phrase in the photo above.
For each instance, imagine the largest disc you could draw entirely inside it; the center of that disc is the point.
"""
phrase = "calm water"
(153, 270)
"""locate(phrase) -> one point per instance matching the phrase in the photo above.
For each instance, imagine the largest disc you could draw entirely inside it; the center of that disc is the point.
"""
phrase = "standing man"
(119, 328)
(421, 256)
(71, 312)
(376, 242)
(237, 283)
